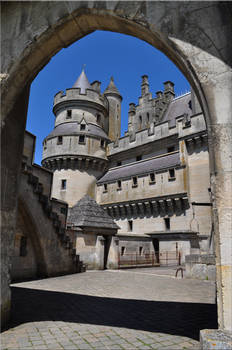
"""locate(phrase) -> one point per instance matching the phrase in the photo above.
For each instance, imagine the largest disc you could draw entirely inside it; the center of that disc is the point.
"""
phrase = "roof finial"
(83, 67)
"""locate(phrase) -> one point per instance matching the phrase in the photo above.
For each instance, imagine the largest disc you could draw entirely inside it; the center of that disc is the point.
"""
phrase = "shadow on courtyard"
(183, 319)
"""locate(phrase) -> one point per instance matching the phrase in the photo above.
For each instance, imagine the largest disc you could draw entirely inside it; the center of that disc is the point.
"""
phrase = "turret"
(76, 149)
(113, 96)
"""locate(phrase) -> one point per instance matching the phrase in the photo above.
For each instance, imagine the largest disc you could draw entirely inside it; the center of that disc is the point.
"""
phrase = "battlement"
(183, 128)
(90, 95)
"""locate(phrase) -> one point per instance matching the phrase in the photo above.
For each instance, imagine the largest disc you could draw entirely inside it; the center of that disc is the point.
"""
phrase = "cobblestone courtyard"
(125, 309)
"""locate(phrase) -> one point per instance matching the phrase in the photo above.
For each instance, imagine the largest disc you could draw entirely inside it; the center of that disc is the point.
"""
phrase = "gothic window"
(23, 246)
(69, 114)
(63, 184)
(83, 126)
(171, 174)
(59, 140)
(82, 139)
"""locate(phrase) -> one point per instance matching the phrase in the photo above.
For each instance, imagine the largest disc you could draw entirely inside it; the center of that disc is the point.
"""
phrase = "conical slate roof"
(82, 82)
(111, 87)
(87, 213)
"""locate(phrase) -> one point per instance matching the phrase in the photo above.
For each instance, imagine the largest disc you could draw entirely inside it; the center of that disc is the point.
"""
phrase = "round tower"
(115, 99)
(76, 148)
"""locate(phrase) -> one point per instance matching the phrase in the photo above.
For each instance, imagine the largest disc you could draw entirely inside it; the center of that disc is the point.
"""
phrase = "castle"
(147, 192)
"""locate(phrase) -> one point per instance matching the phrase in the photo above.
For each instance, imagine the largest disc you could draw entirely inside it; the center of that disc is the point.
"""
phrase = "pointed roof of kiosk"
(111, 88)
(82, 82)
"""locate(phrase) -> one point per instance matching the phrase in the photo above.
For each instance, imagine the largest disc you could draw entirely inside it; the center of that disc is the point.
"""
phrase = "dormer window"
(83, 127)
(59, 140)
(134, 181)
(69, 114)
(82, 139)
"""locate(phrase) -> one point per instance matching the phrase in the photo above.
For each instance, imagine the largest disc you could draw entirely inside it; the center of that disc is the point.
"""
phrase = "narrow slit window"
(119, 183)
(105, 187)
(82, 139)
(140, 250)
(63, 184)
(45, 144)
(23, 246)
(123, 249)
(130, 225)
(102, 143)
(59, 140)
(167, 223)
(69, 114)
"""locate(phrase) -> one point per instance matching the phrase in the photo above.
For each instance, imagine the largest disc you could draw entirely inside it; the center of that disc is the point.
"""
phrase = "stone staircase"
(49, 207)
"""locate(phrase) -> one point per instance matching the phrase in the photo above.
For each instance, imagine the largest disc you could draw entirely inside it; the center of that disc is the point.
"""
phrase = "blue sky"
(105, 54)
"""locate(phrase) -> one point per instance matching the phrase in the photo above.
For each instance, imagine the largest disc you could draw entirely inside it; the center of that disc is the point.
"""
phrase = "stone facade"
(151, 181)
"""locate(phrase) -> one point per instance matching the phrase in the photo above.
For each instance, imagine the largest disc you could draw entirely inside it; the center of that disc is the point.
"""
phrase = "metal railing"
(164, 258)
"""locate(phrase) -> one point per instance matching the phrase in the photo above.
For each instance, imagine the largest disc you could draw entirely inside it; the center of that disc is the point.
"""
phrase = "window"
(102, 143)
(83, 126)
(134, 181)
(45, 144)
(23, 246)
(82, 139)
(167, 223)
(119, 183)
(98, 118)
(138, 158)
(59, 140)
(69, 114)
(171, 149)
(152, 178)
(130, 225)
(105, 187)
(63, 184)
(140, 121)
(148, 118)
(140, 250)
(119, 163)
(123, 250)
(171, 174)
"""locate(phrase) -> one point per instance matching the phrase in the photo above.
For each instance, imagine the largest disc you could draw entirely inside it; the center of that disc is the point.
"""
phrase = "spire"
(111, 88)
(82, 82)
(145, 85)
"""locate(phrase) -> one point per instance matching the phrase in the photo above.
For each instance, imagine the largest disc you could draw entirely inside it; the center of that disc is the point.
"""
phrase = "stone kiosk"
(95, 232)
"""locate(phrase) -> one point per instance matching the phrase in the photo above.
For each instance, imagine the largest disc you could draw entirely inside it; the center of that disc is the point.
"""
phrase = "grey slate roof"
(141, 167)
(82, 82)
(87, 213)
(177, 107)
(70, 128)
(111, 87)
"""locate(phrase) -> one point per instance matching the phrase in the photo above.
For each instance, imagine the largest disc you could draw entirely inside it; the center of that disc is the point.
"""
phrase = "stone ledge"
(215, 339)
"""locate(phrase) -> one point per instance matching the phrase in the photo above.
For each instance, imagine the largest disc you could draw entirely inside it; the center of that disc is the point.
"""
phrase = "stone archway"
(195, 36)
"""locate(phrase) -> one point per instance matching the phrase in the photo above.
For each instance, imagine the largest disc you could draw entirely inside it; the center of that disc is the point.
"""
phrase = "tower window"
(167, 223)
(152, 178)
(98, 118)
(130, 225)
(63, 184)
(134, 181)
(105, 187)
(171, 174)
(138, 158)
(23, 246)
(102, 143)
(83, 126)
(59, 140)
(140, 121)
(45, 144)
(82, 139)
(119, 183)
(69, 114)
